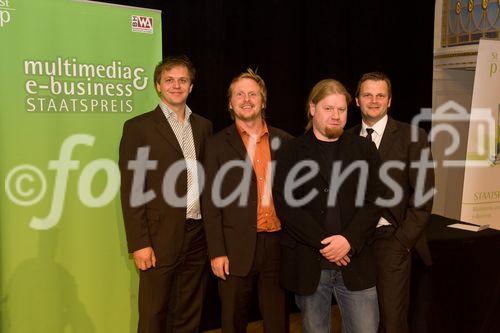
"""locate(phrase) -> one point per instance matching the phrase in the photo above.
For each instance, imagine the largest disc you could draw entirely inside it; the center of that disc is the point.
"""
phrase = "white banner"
(481, 191)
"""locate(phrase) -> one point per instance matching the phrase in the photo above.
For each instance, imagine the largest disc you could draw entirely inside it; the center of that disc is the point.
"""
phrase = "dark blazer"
(304, 225)
(232, 230)
(409, 220)
(156, 223)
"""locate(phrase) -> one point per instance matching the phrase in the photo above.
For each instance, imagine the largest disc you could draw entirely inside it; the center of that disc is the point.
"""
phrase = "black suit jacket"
(156, 223)
(304, 225)
(232, 230)
(408, 218)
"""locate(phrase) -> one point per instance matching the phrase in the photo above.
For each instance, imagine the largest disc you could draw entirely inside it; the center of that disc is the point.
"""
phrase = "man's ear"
(312, 109)
(190, 88)
(357, 101)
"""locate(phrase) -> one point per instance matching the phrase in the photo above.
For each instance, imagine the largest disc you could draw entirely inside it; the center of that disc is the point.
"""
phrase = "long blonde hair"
(322, 89)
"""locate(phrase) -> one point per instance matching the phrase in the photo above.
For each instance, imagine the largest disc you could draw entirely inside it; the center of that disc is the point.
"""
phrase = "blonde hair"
(322, 89)
(249, 74)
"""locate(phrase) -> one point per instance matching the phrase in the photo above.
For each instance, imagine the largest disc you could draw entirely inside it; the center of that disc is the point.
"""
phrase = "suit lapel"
(356, 129)
(388, 139)
(195, 128)
(344, 152)
(273, 134)
(345, 142)
(165, 130)
(235, 141)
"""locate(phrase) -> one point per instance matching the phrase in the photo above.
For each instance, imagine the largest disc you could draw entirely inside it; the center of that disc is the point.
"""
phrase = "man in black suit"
(325, 189)
(400, 229)
(162, 214)
(243, 230)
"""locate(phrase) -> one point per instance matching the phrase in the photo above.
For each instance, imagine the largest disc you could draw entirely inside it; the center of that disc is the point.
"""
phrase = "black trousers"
(393, 281)
(236, 291)
(171, 296)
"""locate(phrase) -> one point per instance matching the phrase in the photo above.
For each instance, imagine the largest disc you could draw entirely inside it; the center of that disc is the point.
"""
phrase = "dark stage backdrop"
(294, 44)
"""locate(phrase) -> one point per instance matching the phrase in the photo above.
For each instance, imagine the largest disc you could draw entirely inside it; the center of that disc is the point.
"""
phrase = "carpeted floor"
(295, 323)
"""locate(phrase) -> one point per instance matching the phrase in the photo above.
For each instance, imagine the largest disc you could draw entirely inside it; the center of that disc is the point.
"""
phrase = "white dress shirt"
(378, 131)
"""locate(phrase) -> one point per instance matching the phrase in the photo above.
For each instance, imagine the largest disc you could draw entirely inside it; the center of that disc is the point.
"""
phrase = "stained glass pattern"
(466, 21)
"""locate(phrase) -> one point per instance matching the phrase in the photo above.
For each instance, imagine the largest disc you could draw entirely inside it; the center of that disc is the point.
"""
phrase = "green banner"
(71, 73)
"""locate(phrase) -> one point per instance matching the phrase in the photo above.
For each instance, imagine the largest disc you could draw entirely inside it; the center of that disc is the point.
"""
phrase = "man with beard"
(243, 230)
(325, 187)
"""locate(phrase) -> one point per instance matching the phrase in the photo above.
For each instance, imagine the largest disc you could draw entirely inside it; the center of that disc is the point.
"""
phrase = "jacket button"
(325, 190)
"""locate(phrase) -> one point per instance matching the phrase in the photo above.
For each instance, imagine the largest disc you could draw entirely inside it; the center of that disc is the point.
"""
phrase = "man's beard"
(248, 117)
(333, 132)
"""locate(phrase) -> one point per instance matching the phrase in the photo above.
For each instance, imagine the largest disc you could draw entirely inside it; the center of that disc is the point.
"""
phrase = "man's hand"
(220, 266)
(343, 262)
(336, 248)
(145, 258)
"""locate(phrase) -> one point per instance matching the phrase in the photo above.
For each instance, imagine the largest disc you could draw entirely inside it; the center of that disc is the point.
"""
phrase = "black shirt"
(328, 153)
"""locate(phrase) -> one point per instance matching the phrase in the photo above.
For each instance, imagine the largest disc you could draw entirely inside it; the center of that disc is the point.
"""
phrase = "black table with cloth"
(460, 292)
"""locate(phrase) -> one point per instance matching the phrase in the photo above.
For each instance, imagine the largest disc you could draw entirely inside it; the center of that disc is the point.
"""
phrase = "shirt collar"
(378, 127)
(263, 132)
(169, 113)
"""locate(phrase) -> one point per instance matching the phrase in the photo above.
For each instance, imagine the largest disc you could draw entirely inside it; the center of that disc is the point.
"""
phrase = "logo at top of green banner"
(142, 24)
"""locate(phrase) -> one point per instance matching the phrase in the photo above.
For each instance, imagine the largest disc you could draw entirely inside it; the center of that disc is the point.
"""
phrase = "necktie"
(369, 131)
